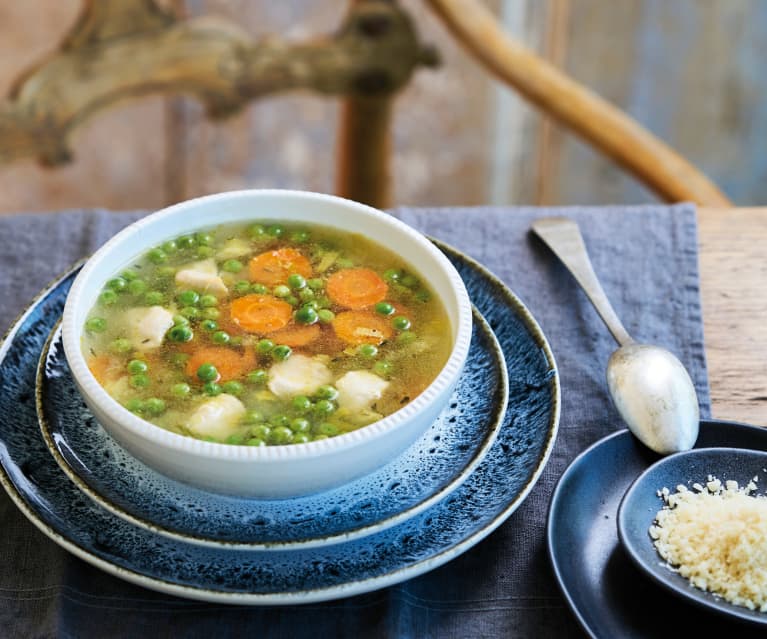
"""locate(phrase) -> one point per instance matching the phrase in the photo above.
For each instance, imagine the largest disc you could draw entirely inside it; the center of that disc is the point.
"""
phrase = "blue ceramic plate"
(609, 595)
(495, 488)
(444, 457)
(641, 503)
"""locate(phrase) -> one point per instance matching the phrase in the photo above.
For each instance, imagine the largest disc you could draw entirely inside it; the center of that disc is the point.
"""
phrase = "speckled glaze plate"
(446, 454)
(608, 594)
(491, 492)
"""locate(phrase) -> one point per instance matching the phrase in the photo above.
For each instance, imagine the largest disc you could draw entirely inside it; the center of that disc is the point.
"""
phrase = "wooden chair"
(123, 48)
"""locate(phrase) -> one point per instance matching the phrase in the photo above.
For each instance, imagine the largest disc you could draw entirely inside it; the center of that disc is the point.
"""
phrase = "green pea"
(180, 390)
(292, 300)
(301, 438)
(401, 323)
(367, 350)
(281, 291)
(232, 387)
(325, 316)
(315, 283)
(382, 368)
(232, 266)
(279, 420)
(392, 275)
(261, 431)
(211, 313)
(384, 308)
(181, 333)
(205, 251)
(157, 256)
(300, 425)
(296, 281)
(165, 272)
(221, 337)
(137, 287)
(117, 284)
(324, 302)
(307, 295)
(253, 417)
(129, 275)
(259, 376)
(327, 429)
(241, 287)
(406, 338)
(137, 366)
(255, 441)
(256, 231)
(203, 238)
(191, 312)
(207, 373)
(188, 298)
(186, 242)
(409, 280)
(211, 388)
(208, 300)
(326, 391)
(170, 246)
(141, 380)
(154, 298)
(209, 325)
(264, 346)
(423, 295)
(135, 405)
(259, 289)
(96, 325)
(108, 297)
(324, 407)
(235, 438)
(275, 230)
(300, 237)
(120, 345)
(280, 435)
(301, 403)
(155, 406)
(281, 352)
(180, 320)
(306, 315)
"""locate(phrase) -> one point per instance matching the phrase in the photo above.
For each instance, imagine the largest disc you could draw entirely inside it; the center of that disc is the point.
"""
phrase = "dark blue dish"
(608, 594)
(443, 458)
(489, 495)
(638, 508)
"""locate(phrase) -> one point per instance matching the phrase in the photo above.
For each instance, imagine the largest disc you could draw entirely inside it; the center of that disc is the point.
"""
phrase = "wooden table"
(733, 271)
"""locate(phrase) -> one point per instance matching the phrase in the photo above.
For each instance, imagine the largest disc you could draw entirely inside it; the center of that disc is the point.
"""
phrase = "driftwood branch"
(121, 49)
(593, 118)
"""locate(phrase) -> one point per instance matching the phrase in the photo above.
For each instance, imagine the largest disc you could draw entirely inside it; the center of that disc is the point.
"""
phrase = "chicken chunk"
(236, 247)
(202, 277)
(217, 417)
(357, 390)
(299, 375)
(146, 327)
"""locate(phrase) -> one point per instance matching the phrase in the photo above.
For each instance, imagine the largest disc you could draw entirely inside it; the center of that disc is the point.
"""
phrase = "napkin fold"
(646, 258)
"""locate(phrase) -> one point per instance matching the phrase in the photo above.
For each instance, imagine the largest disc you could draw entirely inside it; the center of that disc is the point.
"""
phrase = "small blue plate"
(492, 491)
(444, 457)
(641, 503)
(609, 596)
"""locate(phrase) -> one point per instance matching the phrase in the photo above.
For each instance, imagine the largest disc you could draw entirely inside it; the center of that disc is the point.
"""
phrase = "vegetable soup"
(266, 334)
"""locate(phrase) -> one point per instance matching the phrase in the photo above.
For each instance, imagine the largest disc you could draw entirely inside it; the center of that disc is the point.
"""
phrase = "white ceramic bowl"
(271, 471)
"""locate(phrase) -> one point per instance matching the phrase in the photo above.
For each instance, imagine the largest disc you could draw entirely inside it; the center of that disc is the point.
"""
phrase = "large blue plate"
(444, 456)
(489, 495)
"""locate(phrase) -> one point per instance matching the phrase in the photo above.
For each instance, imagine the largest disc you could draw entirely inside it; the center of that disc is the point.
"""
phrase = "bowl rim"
(92, 390)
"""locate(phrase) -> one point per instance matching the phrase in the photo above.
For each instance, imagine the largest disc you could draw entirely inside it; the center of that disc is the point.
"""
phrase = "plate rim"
(337, 591)
(556, 497)
(103, 501)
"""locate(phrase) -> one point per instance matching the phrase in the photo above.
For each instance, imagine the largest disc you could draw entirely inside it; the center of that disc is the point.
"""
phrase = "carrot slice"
(105, 368)
(356, 288)
(260, 313)
(295, 336)
(229, 362)
(361, 327)
(274, 267)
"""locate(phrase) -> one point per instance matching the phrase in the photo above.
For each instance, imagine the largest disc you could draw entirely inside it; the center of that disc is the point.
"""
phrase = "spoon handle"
(563, 237)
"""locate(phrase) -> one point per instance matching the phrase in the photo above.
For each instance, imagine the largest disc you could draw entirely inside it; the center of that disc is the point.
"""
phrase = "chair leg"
(364, 150)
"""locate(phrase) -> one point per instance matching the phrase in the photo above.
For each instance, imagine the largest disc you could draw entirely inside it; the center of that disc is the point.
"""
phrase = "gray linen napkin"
(646, 257)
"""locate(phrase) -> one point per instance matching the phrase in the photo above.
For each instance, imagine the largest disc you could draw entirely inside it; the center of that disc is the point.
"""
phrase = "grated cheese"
(717, 538)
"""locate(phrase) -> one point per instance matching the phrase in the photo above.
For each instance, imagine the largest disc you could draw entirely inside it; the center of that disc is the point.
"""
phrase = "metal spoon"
(650, 387)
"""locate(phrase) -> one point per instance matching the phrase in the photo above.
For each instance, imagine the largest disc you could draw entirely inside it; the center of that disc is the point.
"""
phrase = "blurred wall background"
(692, 71)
